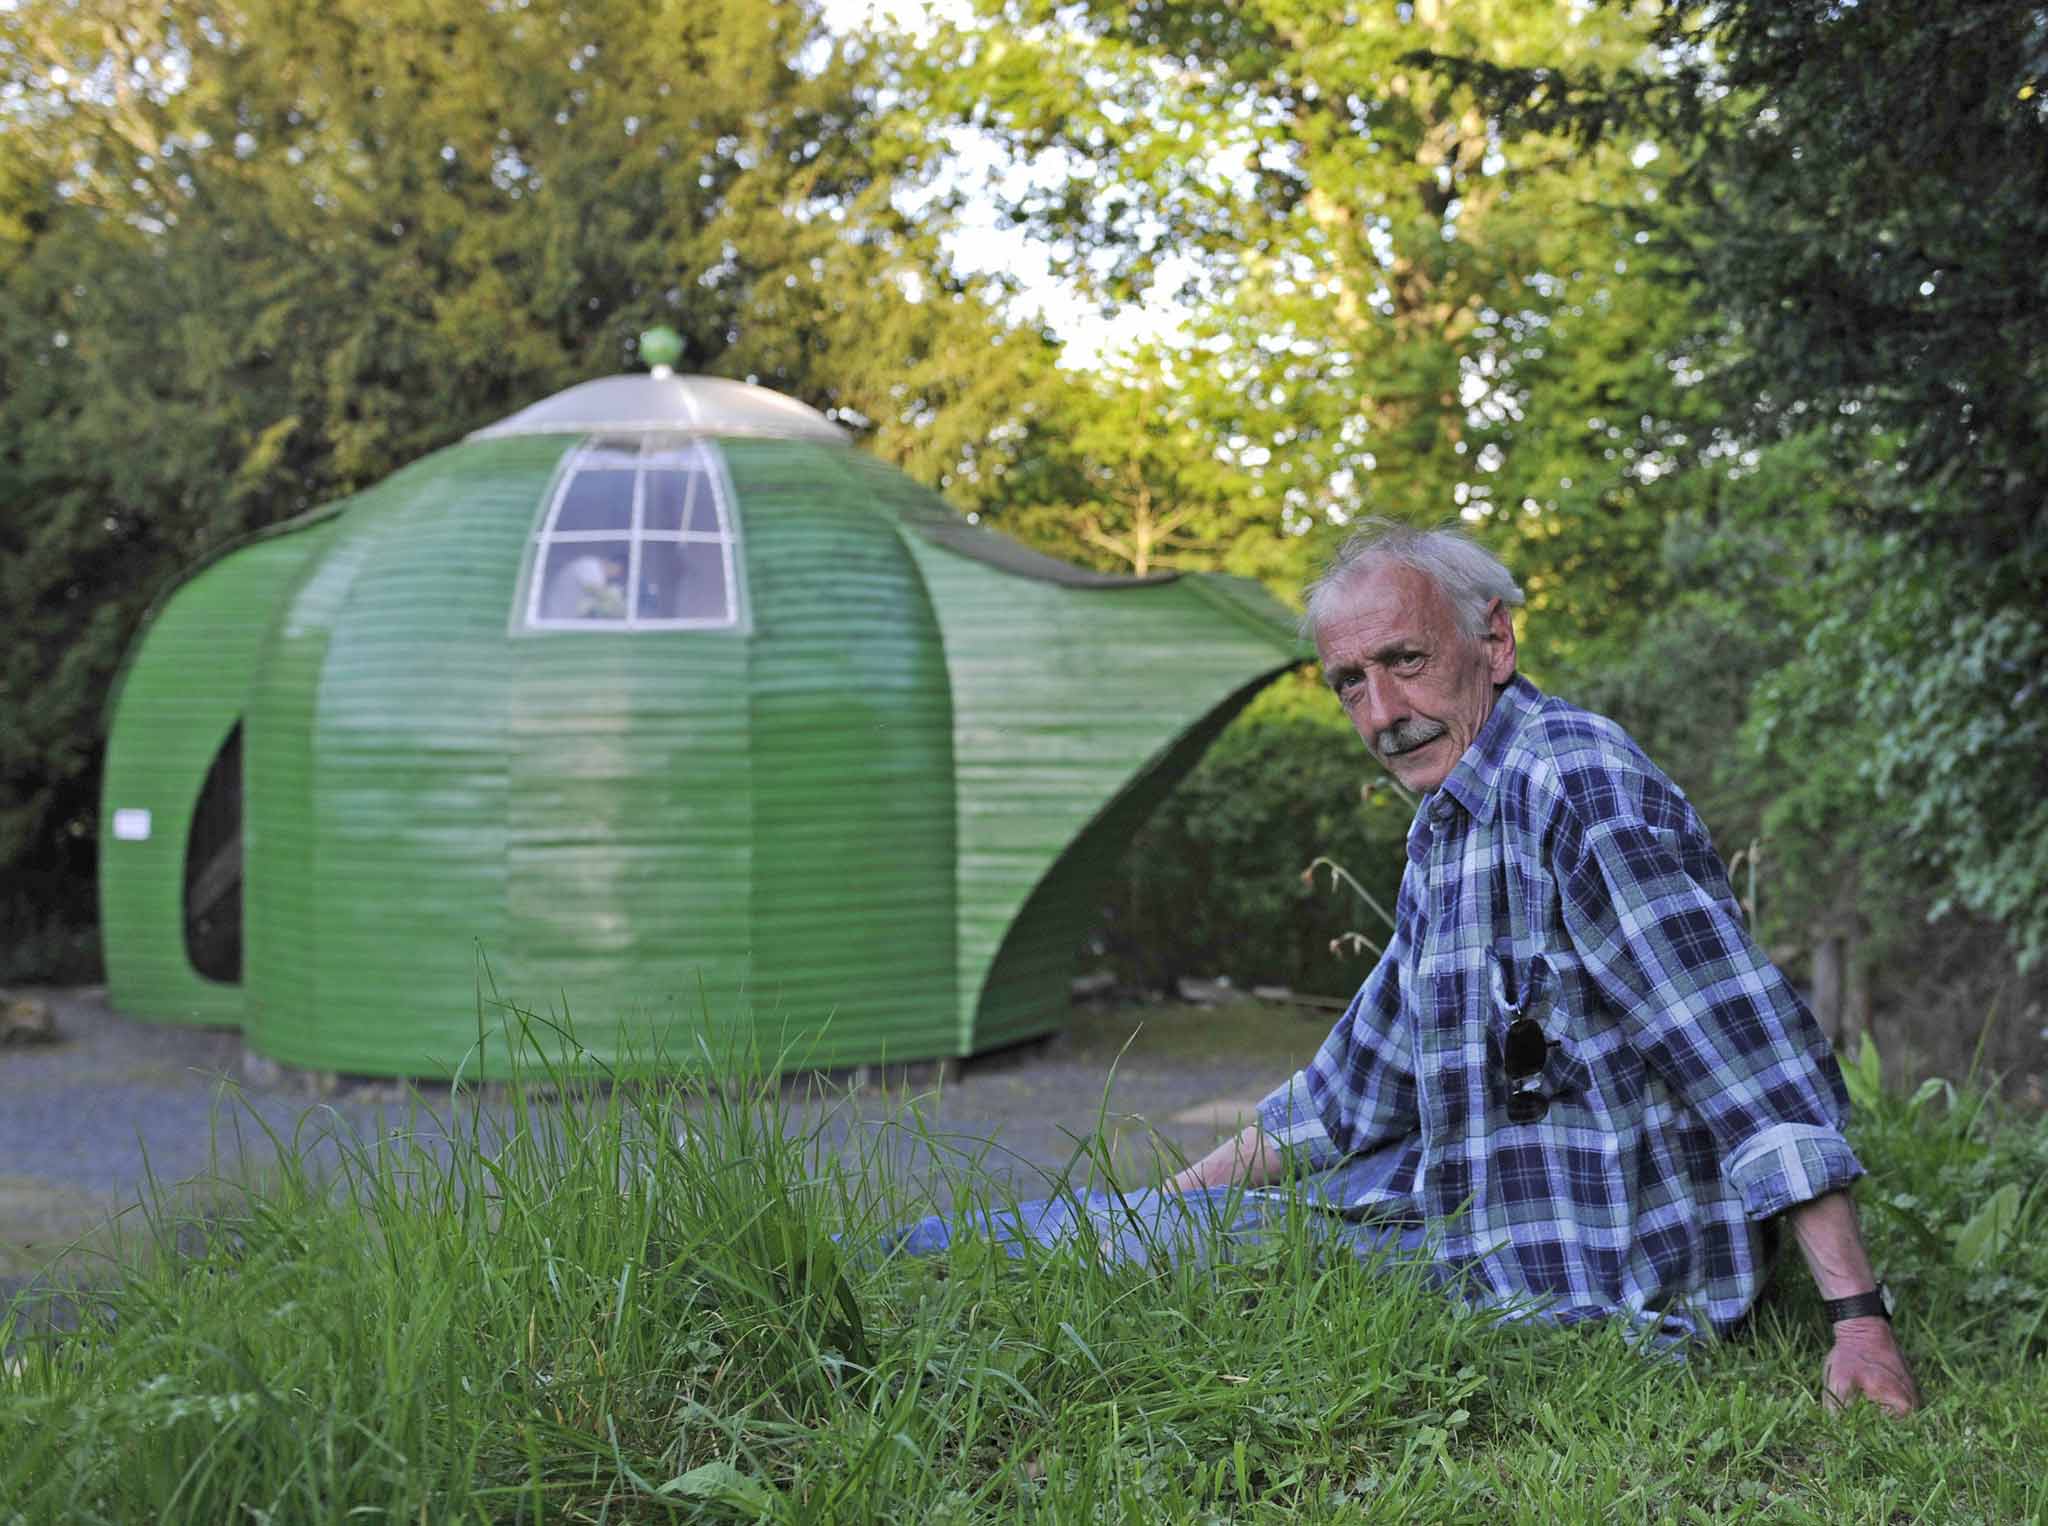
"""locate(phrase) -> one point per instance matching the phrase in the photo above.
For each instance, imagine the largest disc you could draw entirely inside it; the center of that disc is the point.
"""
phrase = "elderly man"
(1572, 1067)
(1572, 1081)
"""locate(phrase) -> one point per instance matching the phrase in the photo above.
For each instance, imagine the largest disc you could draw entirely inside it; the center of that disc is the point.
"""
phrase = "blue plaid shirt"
(1558, 873)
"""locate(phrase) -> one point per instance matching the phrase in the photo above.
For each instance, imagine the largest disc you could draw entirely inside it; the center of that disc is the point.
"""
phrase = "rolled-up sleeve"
(1289, 1118)
(1789, 1164)
(1359, 1091)
(1708, 1011)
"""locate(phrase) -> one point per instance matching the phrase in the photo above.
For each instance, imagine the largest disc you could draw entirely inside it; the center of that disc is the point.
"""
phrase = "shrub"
(1213, 883)
(48, 935)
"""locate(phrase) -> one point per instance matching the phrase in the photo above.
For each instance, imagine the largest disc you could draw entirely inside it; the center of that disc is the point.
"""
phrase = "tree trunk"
(1855, 1001)
(1829, 970)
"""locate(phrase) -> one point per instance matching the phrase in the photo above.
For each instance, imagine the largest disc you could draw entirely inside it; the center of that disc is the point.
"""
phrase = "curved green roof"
(862, 818)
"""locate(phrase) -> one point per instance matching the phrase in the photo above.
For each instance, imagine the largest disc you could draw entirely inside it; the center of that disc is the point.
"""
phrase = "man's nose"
(1385, 705)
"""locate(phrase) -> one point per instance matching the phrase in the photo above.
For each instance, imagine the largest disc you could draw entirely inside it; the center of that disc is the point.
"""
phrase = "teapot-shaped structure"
(659, 702)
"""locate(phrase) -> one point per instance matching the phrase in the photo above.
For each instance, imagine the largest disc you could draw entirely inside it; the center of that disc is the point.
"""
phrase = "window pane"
(703, 508)
(597, 501)
(683, 580)
(585, 580)
(671, 495)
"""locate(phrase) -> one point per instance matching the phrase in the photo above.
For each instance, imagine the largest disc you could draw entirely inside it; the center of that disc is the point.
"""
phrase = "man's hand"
(1246, 1159)
(1866, 1363)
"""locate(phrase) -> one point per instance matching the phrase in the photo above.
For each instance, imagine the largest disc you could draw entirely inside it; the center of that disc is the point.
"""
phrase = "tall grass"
(674, 1300)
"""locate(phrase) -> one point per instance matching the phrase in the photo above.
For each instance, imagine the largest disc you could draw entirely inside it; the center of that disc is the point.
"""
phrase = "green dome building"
(654, 700)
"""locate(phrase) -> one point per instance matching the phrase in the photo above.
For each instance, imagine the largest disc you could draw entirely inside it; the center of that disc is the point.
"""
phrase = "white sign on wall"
(131, 826)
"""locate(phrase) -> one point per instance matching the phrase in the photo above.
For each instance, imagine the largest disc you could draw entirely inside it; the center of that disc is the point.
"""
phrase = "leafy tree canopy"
(257, 257)
(1391, 308)
(1865, 206)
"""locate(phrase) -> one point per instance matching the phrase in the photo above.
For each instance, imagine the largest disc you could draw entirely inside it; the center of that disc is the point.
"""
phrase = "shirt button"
(1440, 813)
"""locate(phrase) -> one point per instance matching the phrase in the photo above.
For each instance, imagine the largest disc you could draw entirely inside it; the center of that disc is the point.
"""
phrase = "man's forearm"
(1832, 1245)
(1246, 1159)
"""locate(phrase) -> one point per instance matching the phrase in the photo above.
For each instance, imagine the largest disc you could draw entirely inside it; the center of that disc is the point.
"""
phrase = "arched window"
(639, 537)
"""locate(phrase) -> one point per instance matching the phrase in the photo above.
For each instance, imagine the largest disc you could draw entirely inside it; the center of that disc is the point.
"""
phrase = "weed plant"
(675, 1301)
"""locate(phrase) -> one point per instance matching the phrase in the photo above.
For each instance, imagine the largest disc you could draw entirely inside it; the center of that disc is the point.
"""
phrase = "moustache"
(1406, 737)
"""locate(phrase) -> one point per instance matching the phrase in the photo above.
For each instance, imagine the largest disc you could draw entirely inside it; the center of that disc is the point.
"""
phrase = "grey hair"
(1470, 576)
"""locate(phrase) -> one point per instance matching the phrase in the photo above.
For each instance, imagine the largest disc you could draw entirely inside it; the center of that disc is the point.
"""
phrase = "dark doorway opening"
(213, 868)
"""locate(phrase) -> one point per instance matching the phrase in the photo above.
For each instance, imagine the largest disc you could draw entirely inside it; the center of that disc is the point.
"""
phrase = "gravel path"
(86, 1121)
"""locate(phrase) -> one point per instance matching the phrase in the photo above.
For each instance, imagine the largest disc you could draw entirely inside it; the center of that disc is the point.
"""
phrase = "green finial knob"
(661, 347)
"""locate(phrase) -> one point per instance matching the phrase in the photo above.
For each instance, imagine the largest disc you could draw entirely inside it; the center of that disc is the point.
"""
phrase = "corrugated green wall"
(379, 771)
(1025, 990)
(642, 834)
(1064, 700)
(182, 691)
(280, 898)
(868, 823)
(852, 767)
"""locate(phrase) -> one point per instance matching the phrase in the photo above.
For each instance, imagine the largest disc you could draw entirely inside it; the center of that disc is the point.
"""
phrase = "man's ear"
(1500, 642)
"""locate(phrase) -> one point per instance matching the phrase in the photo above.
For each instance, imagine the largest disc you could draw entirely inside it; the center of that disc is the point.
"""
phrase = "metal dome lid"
(669, 404)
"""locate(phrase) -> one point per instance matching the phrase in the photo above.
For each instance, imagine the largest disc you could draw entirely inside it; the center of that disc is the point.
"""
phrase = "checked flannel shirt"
(1557, 872)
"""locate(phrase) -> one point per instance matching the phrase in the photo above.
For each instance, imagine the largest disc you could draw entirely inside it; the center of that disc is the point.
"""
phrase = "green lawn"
(628, 1306)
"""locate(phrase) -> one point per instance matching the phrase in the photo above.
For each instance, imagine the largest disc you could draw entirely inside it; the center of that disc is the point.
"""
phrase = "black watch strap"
(1858, 1306)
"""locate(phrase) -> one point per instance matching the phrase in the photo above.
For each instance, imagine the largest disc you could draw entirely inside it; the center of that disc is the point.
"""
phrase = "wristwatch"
(1877, 1302)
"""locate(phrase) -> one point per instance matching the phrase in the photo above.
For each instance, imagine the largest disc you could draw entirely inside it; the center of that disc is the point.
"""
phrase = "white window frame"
(651, 453)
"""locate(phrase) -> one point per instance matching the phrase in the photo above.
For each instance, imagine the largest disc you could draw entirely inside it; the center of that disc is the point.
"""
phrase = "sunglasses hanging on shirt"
(1524, 1050)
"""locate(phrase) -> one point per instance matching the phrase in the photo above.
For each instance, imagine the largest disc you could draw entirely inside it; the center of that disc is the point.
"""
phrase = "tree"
(1390, 309)
(1867, 203)
(255, 258)
(1129, 479)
